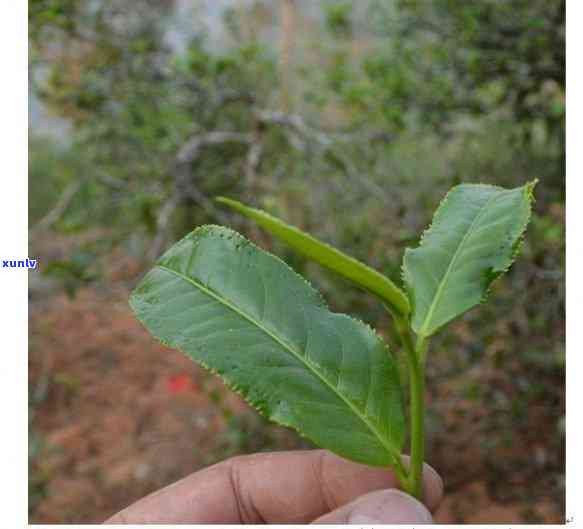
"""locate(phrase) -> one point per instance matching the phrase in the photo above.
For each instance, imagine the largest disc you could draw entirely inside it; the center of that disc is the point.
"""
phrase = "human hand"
(312, 486)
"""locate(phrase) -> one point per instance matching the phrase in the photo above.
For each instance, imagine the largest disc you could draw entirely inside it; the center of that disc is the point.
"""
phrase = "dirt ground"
(115, 415)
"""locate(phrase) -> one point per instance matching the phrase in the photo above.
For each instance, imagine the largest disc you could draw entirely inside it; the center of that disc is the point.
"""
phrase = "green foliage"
(58, 13)
(338, 18)
(243, 314)
(474, 238)
(492, 55)
(134, 103)
(248, 317)
(443, 64)
(51, 169)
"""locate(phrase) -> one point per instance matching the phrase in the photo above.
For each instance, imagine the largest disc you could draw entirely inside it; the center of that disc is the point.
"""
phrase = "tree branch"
(185, 188)
(62, 204)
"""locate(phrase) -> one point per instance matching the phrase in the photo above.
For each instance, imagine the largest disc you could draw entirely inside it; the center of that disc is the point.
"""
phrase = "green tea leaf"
(475, 236)
(329, 257)
(244, 314)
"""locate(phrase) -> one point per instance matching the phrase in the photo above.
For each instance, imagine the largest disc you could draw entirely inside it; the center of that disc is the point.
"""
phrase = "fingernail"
(389, 506)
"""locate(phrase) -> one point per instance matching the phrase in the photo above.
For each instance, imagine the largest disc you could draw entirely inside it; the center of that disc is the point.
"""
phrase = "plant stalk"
(414, 482)
(417, 415)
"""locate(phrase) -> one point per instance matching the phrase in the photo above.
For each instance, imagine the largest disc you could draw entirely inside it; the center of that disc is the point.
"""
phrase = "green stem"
(417, 414)
(415, 356)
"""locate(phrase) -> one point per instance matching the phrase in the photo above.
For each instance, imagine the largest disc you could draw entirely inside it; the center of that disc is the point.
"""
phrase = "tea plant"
(244, 314)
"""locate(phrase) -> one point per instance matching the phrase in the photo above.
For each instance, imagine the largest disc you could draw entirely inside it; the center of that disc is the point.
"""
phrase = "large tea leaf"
(474, 238)
(333, 259)
(245, 315)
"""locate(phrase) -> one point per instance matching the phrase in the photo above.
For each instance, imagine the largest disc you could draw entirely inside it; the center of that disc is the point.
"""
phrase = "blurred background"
(348, 119)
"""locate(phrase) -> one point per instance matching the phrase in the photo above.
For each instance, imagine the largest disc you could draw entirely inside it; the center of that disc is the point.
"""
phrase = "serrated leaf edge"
(528, 190)
(529, 193)
(233, 386)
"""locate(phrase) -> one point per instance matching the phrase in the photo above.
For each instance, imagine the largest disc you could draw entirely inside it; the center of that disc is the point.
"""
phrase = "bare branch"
(162, 226)
(185, 188)
(325, 139)
(301, 135)
(110, 181)
(296, 123)
(233, 96)
(253, 160)
(191, 149)
(63, 203)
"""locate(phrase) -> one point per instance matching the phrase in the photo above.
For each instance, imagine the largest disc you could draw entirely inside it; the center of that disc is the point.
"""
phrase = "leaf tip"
(529, 189)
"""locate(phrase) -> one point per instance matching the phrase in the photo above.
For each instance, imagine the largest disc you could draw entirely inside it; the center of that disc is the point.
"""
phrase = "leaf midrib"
(287, 347)
(443, 282)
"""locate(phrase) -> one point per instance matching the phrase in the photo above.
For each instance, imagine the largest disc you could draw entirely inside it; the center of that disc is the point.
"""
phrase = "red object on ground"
(180, 384)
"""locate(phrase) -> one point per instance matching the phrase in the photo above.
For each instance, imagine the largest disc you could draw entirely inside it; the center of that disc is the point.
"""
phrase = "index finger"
(278, 487)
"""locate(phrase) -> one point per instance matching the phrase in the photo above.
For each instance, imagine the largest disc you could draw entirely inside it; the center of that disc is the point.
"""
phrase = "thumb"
(390, 506)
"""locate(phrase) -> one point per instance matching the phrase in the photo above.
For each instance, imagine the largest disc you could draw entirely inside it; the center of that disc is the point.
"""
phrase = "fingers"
(380, 507)
(280, 487)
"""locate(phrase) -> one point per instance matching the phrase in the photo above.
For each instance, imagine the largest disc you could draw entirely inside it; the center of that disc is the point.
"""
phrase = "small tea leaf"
(475, 236)
(245, 315)
(329, 257)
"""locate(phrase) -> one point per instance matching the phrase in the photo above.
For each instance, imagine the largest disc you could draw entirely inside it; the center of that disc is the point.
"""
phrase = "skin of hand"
(300, 487)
